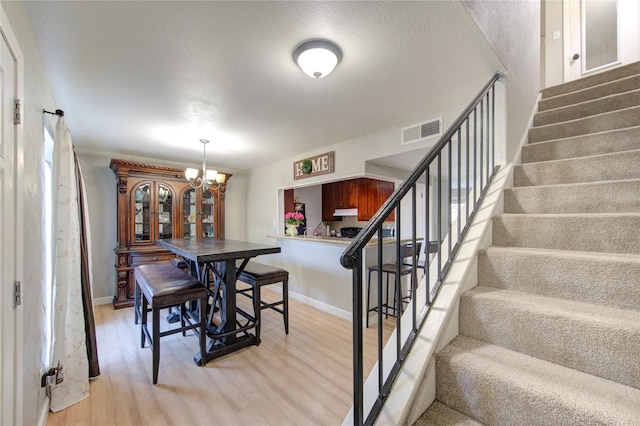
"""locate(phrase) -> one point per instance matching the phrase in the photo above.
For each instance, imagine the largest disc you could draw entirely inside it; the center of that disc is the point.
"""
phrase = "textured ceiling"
(152, 78)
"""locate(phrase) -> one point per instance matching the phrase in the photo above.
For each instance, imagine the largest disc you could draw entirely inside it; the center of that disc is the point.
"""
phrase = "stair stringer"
(415, 388)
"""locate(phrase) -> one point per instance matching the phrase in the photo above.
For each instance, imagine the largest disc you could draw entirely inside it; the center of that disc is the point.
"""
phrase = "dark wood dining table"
(217, 263)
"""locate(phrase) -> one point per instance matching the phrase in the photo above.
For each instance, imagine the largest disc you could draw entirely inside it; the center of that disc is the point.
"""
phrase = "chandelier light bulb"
(191, 174)
(211, 175)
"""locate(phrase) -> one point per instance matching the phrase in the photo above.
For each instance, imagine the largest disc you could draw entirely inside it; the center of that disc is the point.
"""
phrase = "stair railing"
(472, 137)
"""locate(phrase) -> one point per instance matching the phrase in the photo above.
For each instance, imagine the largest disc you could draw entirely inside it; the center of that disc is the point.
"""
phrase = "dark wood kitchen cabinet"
(372, 194)
(365, 194)
(156, 202)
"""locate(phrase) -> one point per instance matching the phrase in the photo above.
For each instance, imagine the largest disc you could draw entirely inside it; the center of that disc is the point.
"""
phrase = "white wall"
(513, 30)
(311, 196)
(350, 157)
(100, 187)
(37, 95)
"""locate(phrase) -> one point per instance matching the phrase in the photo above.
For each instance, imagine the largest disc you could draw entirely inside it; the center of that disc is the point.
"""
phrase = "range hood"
(346, 212)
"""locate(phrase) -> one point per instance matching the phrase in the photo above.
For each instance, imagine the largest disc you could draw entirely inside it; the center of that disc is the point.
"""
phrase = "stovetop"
(349, 232)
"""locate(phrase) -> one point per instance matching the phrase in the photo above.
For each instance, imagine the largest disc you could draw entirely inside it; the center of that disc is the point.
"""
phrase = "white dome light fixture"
(317, 58)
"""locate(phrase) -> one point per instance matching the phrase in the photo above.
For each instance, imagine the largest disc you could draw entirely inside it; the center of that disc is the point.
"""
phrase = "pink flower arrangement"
(293, 218)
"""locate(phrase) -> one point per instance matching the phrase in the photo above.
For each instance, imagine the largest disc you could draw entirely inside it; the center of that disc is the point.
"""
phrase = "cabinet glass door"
(189, 213)
(165, 206)
(207, 214)
(142, 214)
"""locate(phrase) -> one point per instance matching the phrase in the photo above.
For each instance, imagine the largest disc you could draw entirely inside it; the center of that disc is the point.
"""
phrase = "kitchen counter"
(336, 240)
(316, 275)
(317, 239)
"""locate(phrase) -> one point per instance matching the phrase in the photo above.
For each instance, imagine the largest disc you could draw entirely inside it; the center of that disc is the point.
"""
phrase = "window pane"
(600, 33)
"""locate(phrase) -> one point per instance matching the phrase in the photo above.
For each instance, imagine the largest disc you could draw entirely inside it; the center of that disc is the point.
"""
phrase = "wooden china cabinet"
(156, 202)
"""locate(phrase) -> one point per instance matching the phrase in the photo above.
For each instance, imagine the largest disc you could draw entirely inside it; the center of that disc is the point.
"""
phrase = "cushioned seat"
(172, 317)
(163, 285)
(257, 275)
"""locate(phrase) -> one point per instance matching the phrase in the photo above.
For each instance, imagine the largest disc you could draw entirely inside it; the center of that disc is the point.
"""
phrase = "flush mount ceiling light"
(317, 58)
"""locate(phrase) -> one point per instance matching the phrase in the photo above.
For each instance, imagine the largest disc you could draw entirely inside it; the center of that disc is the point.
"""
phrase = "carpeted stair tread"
(620, 119)
(564, 274)
(551, 333)
(593, 339)
(616, 196)
(593, 80)
(619, 140)
(594, 168)
(588, 108)
(498, 386)
(599, 232)
(589, 93)
(439, 414)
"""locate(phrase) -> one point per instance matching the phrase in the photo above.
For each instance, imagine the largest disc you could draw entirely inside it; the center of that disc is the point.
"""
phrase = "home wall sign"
(314, 166)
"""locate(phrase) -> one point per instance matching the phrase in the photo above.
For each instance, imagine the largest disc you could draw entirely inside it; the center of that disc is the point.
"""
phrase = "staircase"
(551, 334)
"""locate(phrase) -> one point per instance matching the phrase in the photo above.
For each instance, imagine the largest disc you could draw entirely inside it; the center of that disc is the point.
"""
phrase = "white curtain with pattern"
(69, 341)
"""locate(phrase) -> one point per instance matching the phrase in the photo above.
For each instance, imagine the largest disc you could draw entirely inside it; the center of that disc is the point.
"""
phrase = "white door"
(599, 35)
(10, 230)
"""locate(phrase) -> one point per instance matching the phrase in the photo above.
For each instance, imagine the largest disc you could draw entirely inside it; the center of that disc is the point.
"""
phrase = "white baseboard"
(44, 414)
(292, 294)
(340, 313)
(102, 300)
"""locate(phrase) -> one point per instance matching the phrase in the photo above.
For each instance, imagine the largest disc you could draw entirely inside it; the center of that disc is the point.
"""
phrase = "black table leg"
(224, 337)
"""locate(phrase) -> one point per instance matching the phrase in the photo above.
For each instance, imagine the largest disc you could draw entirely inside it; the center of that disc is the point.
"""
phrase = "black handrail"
(352, 256)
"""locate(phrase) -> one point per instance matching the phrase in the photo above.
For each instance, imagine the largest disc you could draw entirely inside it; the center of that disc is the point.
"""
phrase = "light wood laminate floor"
(304, 378)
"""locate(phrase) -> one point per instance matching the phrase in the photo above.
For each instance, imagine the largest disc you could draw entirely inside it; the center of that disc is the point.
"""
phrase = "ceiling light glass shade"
(191, 174)
(221, 178)
(317, 58)
(211, 175)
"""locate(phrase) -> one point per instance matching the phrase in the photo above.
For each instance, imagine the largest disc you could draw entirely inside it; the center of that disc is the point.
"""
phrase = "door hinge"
(16, 293)
(17, 119)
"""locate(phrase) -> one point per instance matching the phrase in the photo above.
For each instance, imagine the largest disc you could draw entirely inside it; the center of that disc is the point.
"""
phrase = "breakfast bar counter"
(316, 275)
(343, 241)
(315, 239)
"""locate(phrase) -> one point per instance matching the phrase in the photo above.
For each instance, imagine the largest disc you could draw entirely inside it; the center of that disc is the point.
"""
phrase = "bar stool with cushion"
(172, 316)
(257, 275)
(162, 285)
(406, 255)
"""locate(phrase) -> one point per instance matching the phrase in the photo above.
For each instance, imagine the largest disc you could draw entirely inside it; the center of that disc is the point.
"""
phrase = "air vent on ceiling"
(416, 132)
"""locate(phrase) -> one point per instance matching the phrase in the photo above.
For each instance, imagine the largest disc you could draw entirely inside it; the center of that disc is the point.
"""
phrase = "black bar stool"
(406, 256)
(162, 285)
(257, 275)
